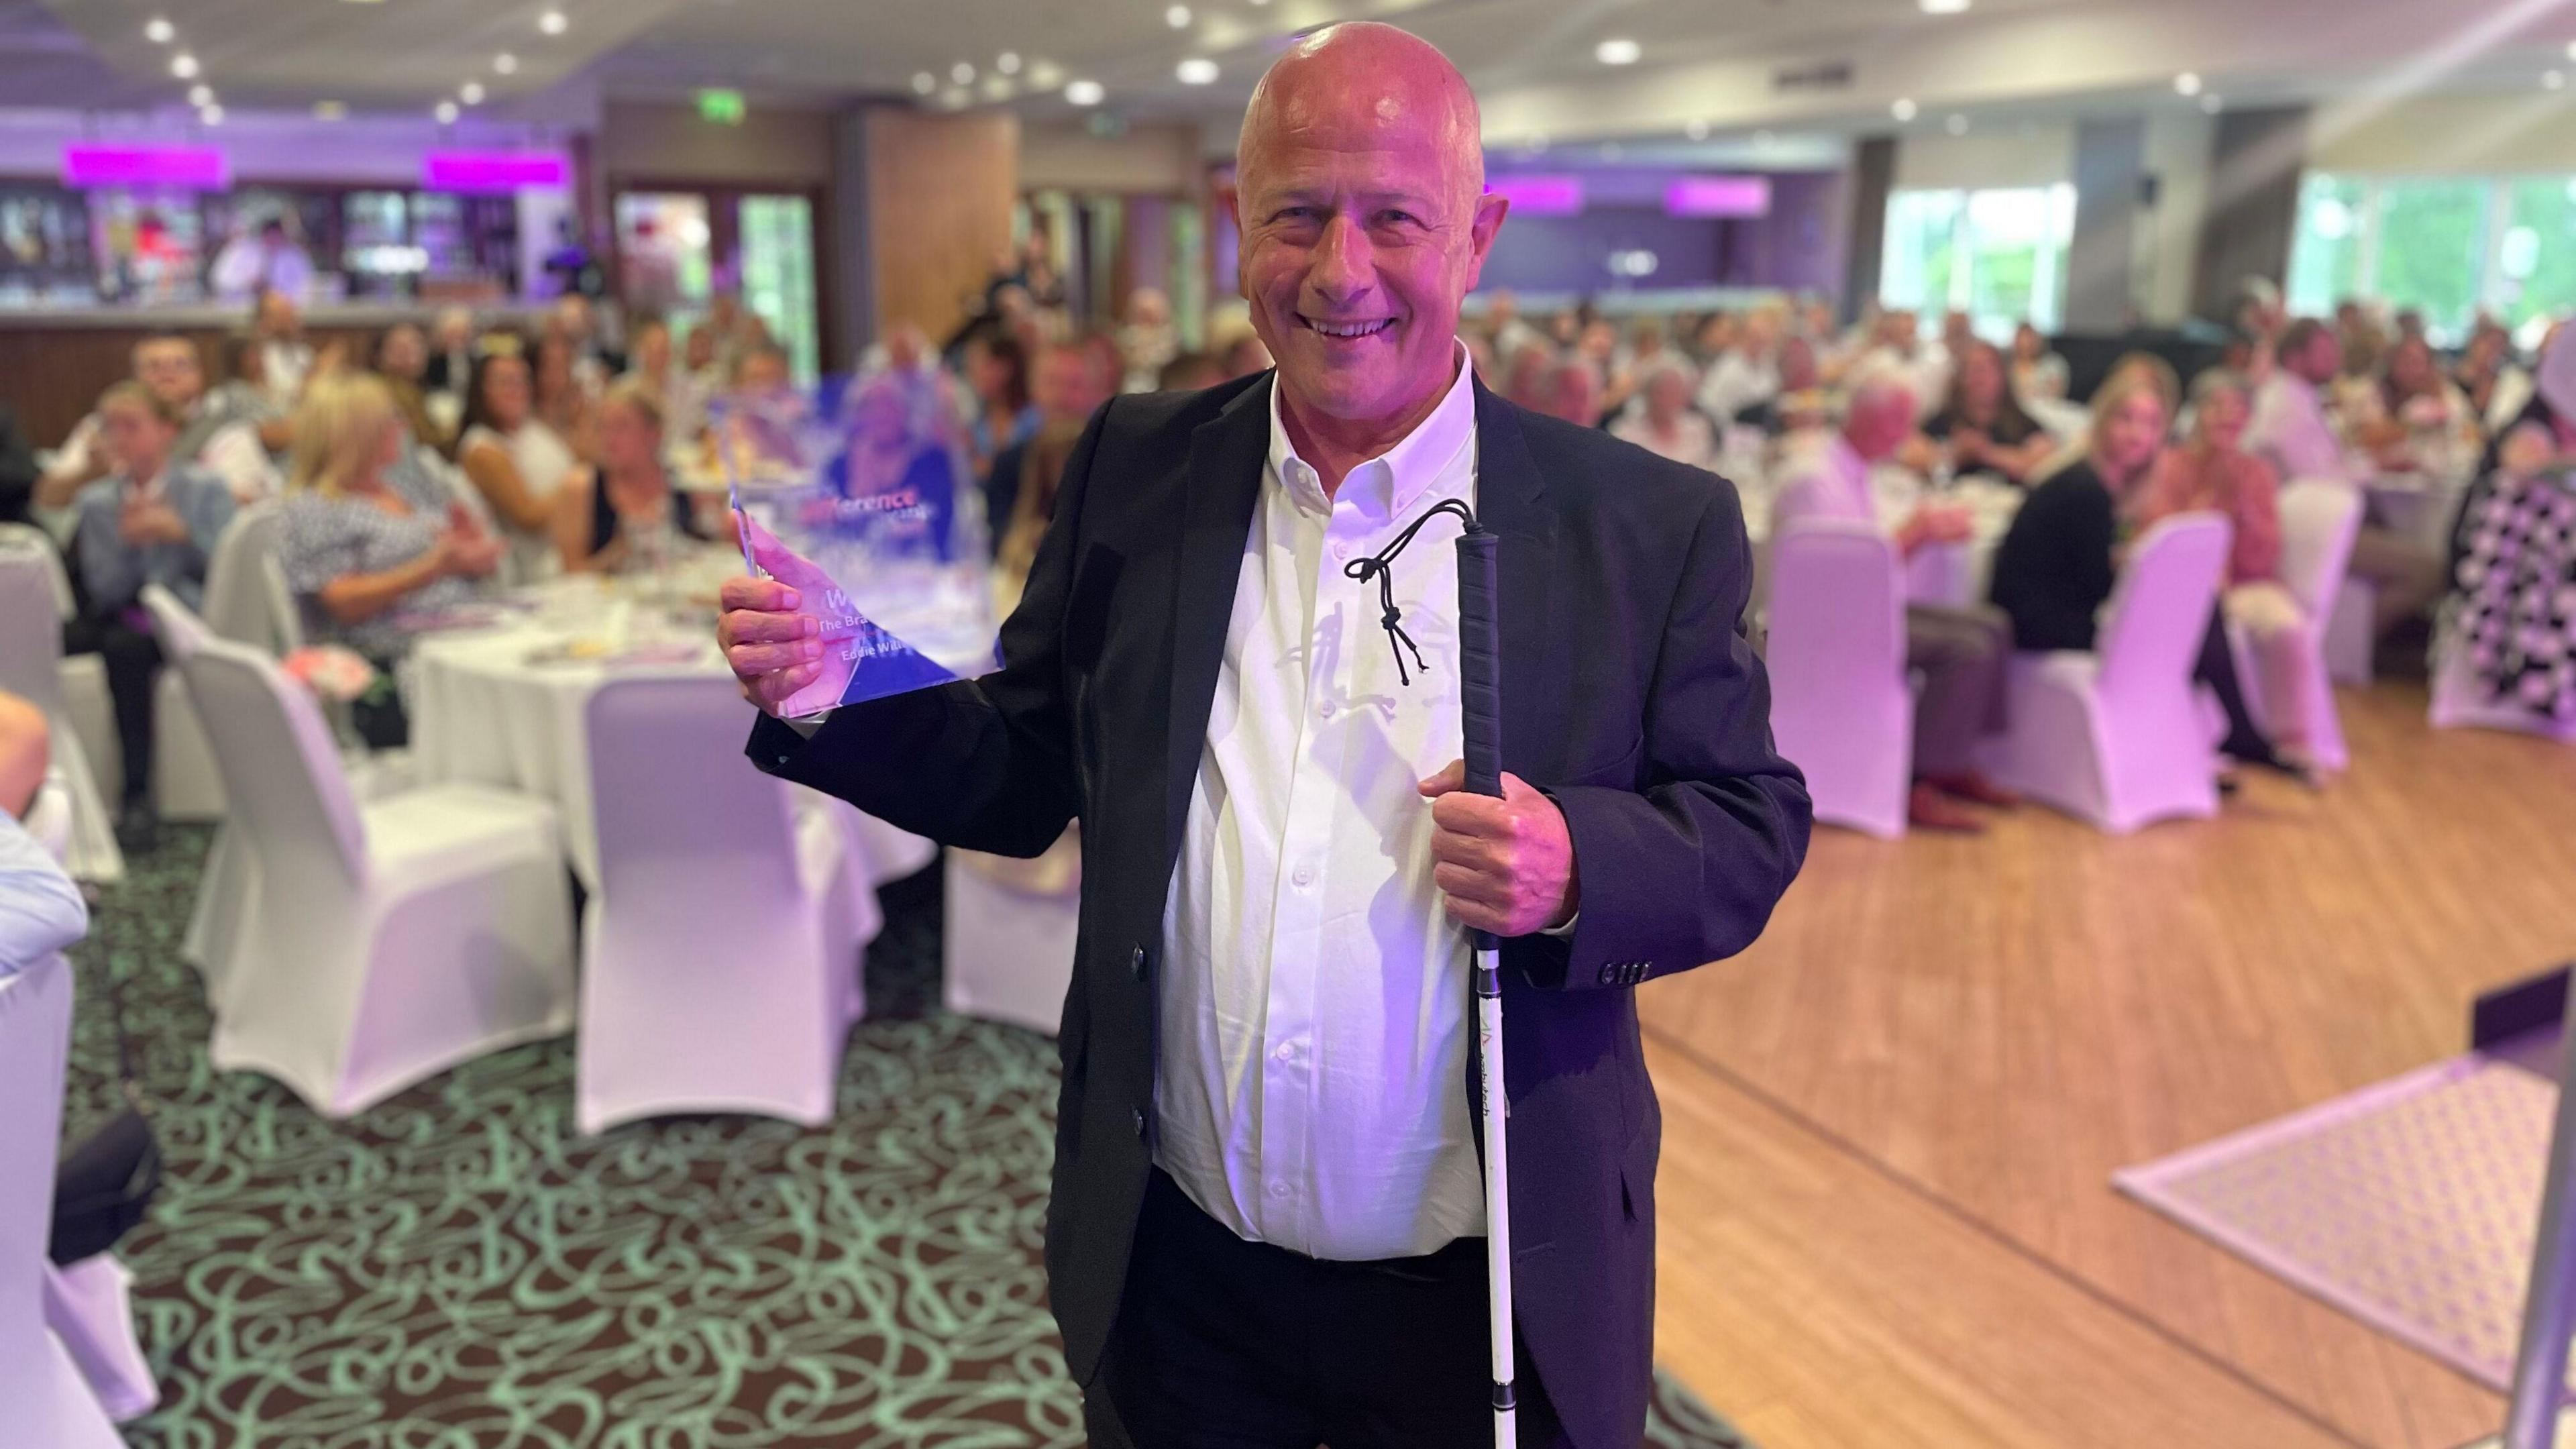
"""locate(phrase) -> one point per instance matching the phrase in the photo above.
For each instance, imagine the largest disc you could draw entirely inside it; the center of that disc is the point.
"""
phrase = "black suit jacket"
(1629, 694)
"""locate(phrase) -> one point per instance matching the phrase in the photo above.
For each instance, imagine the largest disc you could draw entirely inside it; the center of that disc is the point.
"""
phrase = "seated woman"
(357, 551)
(402, 360)
(2214, 474)
(2037, 373)
(2058, 562)
(1668, 426)
(622, 511)
(2416, 420)
(899, 453)
(513, 459)
(1983, 425)
(152, 520)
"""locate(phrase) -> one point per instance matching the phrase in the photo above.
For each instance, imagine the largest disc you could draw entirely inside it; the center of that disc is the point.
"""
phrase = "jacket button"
(1136, 962)
(1139, 1114)
(1609, 975)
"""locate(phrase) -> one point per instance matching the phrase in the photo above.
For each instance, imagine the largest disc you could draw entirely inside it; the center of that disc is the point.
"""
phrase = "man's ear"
(1480, 233)
(1229, 199)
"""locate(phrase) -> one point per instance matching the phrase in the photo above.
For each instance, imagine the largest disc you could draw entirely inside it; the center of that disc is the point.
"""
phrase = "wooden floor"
(1890, 1128)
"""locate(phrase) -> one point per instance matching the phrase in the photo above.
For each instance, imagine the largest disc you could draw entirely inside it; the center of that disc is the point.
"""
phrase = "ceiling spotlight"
(1956, 125)
(2211, 105)
(201, 95)
(506, 63)
(1045, 75)
(1198, 70)
(159, 31)
(2555, 80)
(923, 83)
(956, 98)
(1085, 93)
(446, 113)
(330, 111)
(553, 22)
(1944, 7)
(471, 93)
(2187, 83)
(2571, 50)
(1178, 17)
(1008, 62)
(211, 115)
(1904, 109)
(1620, 51)
(962, 73)
(184, 66)
(1696, 130)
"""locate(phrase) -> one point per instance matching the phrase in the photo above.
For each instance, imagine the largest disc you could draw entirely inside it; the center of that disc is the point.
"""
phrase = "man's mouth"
(1347, 330)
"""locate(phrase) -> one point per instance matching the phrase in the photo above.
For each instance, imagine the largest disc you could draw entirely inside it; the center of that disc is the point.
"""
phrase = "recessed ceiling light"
(1617, 51)
(1904, 109)
(923, 82)
(471, 93)
(1696, 130)
(2187, 83)
(999, 88)
(1944, 7)
(1178, 17)
(1085, 93)
(956, 98)
(159, 31)
(1198, 70)
(184, 66)
(506, 63)
(2555, 80)
(330, 111)
(2571, 50)
(962, 73)
(1045, 75)
(553, 22)
(1008, 62)
(2212, 105)
(446, 112)
(201, 95)
(211, 115)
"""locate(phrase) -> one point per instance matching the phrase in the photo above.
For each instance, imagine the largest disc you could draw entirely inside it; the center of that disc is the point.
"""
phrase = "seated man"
(211, 435)
(1961, 651)
(41, 911)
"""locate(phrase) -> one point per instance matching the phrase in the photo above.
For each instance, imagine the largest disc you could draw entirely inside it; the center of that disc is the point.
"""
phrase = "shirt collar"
(1393, 482)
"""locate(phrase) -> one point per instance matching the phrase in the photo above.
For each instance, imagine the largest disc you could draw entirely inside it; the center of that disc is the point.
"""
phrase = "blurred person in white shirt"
(1148, 341)
(286, 358)
(218, 439)
(41, 911)
(1666, 424)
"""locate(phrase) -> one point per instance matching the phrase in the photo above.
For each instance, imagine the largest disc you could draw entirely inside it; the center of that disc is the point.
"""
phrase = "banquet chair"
(720, 953)
(1840, 706)
(32, 667)
(2115, 736)
(44, 1401)
(49, 819)
(380, 942)
(1008, 941)
(2459, 704)
(246, 596)
(2319, 521)
(2351, 636)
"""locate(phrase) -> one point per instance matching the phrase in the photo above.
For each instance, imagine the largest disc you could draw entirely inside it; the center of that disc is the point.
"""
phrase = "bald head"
(1360, 181)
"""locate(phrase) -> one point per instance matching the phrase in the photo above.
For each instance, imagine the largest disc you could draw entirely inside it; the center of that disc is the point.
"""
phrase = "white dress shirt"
(41, 911)
(2289, 427)
(1828, 478)
(1315, 1022)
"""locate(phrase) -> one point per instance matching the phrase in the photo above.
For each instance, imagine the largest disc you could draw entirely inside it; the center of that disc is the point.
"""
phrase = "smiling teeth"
(1349, 329)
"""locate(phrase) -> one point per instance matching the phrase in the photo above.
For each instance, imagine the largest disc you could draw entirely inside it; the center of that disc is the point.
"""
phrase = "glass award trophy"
(859, 496)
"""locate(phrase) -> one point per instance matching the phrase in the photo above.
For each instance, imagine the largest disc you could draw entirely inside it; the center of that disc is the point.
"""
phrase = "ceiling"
(1709, 65)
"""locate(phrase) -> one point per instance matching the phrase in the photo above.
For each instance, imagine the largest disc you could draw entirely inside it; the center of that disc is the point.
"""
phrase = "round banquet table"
(504, 699)
(1954, 575)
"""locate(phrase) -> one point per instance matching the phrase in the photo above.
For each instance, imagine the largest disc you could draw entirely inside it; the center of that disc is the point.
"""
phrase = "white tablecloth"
(1954, 575)
(502, 706)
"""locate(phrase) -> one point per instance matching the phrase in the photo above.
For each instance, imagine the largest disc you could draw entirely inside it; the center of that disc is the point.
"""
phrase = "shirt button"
(1279, 1189)
(1325, 710)
(1305, 875)
(1287, 1051)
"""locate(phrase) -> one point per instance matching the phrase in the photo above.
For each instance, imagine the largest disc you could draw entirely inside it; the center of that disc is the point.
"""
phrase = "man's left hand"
(1504, 866)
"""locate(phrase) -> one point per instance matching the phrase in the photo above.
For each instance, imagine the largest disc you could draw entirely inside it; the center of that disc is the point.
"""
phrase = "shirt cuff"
(1561, 932)
(805, 727)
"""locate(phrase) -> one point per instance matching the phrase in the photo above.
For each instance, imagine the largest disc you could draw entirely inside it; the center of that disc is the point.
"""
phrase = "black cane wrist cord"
(1379, 566)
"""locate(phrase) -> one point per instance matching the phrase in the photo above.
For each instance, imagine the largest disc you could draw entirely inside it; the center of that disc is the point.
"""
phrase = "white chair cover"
(2115, 736)
(382, 943)
(44, 1402)
(1009, 953)
(1840, 708)
(49, 819)
(31, 667)
(244, 590)
(90, 1307)
(224, 892)
(2319, 521)
(721, 950)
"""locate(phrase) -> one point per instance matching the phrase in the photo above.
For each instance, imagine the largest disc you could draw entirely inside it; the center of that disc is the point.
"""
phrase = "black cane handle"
(1480, 668)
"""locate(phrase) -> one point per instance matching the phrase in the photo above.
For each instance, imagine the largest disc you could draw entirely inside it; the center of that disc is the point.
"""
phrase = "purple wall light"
(1718, 196)
(494, 170)
(1540, 195)
(193, 168)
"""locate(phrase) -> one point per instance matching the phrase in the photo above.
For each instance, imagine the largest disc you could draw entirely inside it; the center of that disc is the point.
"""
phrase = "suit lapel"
(1227, 456)
(1509, 494)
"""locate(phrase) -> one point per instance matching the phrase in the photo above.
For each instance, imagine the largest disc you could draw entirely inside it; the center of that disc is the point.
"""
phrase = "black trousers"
(1224, 1344)
(2217, 669)
(133, 660)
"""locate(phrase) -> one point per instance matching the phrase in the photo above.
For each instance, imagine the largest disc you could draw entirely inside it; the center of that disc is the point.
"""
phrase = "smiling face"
(1363, 223)
(2221, 419)
(2130, 433)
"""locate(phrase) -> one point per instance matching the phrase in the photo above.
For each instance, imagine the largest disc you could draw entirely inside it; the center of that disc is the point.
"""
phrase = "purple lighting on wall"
(494, 170)
(196, 168)
(1540, 195)
(1719, 196)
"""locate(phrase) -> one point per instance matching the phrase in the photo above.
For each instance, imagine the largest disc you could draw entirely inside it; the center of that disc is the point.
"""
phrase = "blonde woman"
(623, 512)
(358, 553)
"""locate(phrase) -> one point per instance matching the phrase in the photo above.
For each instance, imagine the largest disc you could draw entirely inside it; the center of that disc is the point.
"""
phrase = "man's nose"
(1342, 267)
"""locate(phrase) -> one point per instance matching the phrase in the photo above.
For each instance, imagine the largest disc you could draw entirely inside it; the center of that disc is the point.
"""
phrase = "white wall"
(2179, 146)
(2039, 155)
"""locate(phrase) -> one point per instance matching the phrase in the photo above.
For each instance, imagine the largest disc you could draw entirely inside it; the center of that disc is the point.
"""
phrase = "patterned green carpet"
(458, 1270)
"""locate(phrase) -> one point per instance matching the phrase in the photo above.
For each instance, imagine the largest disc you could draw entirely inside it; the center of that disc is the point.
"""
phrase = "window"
(2451, 246)
(1999, 256)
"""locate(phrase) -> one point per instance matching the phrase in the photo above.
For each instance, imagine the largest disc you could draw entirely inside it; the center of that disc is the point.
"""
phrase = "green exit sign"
(722, 107)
